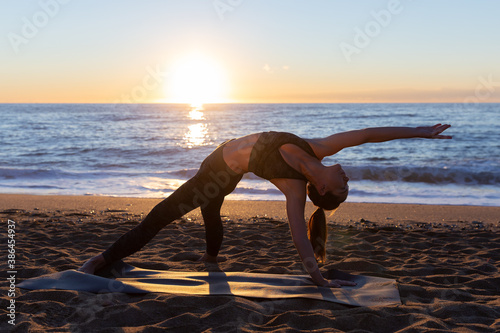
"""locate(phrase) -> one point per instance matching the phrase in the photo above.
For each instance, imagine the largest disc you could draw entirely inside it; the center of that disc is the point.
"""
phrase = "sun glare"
(196, 113)
(196, 136)
(196, 79)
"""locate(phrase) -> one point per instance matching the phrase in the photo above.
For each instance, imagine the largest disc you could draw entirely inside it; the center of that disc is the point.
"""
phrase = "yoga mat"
(121, 277)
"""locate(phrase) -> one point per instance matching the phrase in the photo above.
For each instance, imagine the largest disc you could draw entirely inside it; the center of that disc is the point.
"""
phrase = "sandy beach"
(444, 258)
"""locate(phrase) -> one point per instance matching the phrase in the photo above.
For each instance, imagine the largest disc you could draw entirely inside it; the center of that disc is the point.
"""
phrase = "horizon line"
(215, 103)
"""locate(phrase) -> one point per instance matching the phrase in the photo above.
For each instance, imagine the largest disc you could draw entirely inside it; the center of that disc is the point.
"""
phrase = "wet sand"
(444, 258)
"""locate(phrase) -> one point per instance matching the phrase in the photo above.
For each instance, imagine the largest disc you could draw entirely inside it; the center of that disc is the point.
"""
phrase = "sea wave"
(22, 174)
(404, 174)
(424, 174)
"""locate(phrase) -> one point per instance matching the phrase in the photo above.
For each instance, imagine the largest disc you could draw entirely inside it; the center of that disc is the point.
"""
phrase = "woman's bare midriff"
(236, 153)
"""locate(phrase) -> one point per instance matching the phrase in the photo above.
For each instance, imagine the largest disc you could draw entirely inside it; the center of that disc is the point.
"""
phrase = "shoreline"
(381, 213)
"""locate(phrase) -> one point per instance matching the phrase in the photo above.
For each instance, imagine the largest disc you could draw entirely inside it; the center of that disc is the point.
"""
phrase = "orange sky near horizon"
(173, 52)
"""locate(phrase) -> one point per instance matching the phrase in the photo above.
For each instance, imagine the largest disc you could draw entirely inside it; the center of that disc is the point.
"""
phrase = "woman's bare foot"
(208, 258)
(93, 264)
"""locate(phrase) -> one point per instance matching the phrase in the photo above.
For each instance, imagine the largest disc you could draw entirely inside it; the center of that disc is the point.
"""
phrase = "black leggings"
(207, 189)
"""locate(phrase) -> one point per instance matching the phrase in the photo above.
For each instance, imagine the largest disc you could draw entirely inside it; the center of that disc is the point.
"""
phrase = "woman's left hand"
(434, 132)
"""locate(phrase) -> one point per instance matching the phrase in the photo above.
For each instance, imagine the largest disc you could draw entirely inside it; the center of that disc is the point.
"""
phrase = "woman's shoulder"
(317, 146)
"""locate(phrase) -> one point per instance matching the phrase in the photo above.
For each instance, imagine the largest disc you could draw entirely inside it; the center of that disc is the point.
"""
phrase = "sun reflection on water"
(196, 112)
(197, 133)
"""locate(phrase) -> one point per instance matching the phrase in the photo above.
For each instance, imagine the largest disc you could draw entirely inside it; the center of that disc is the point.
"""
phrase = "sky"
(249, 51)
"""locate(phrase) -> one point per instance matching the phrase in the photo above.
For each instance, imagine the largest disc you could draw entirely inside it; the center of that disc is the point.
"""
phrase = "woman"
(292, 164)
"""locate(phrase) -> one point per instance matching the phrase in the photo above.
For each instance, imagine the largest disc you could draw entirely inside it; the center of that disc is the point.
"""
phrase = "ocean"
(148, 150)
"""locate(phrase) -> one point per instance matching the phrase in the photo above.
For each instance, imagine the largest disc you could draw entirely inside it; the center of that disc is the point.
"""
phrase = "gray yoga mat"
(121, 277)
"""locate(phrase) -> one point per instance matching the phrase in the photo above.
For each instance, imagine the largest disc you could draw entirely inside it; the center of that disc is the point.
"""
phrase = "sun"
(196, 79)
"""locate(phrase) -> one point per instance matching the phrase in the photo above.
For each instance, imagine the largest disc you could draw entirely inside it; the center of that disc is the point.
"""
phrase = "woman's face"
(336, 181)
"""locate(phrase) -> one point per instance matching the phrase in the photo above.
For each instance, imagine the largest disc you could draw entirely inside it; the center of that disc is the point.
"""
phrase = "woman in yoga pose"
(291, 163)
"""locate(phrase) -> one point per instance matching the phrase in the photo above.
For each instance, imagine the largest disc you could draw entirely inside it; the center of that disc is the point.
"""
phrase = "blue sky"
(263, 51)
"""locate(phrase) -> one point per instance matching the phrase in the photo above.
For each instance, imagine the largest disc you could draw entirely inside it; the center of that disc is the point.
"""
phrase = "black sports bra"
(266, 160)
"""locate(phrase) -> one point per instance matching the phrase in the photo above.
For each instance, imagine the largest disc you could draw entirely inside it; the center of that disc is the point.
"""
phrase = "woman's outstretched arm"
(381, 134)
(295, 194)
(336, 142)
